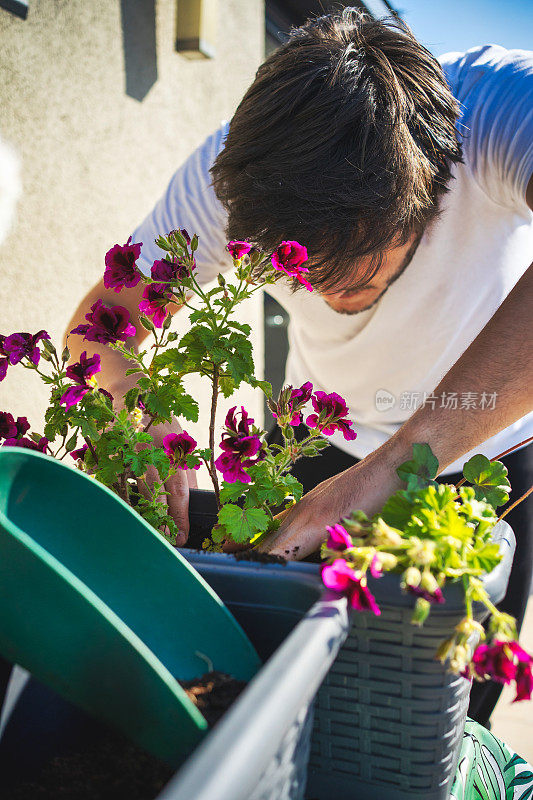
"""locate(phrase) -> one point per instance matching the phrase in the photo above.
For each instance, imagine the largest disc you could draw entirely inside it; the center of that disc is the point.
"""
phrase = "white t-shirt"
(387, 361)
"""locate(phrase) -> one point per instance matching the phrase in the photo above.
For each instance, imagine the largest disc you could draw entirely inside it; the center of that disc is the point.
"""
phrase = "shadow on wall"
(139, 44)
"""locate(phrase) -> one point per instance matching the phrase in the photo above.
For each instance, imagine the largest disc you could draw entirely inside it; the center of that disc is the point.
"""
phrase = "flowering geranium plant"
(110, 438)
(432, 534)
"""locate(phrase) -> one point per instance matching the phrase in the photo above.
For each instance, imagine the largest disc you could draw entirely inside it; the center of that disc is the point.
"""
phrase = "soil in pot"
(113, 768)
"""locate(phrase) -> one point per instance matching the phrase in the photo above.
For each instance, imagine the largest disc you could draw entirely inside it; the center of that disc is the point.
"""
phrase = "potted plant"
(98, 606)
(257, 482)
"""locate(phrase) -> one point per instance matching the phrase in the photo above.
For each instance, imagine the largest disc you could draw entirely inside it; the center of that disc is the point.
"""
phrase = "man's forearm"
(499, 362)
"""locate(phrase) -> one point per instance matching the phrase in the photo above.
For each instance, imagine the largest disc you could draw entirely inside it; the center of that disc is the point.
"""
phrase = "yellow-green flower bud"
(469, 626)
(387, 561)
(385, 536)
(428, 582)
(411, 577)
(422, 551)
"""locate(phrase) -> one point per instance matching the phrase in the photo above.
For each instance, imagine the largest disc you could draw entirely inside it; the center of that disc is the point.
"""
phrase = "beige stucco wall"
(94, 160)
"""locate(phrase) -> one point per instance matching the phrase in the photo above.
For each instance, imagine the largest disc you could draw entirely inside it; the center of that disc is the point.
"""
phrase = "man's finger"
(178, 503)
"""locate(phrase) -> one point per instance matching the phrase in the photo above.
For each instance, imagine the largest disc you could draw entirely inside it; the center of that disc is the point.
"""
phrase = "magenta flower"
(504, 662)
(299, 397)
(154, 303)
(243, 427)
(340, 577)
(331, 411)
(29, 444)
(288, 258)
(84, 369)
(106, 325)
(238, 454)
(178, 446)
(121, 269)
(8, 427)
(375, 567)
(19, 346)
(80, 452)
(73, 395)
(238, 249)
(169, 271)
(339, 538)
(241, 448)
(3, 368)
(524, 681)
(432, 597)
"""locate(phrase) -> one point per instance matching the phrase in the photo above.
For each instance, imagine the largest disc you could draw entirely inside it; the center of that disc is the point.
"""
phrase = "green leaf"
(242, 524)
(227, 385)
(131, 397)
(489, 479)
(424, 465)
(265, 386)
(231, 491)
(157, 403)
(172, 359)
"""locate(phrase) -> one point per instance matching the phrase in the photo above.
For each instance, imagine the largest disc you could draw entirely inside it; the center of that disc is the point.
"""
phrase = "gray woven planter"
(389, 719)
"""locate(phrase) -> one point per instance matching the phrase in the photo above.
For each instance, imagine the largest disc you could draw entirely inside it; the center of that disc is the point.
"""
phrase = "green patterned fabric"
(489, 770)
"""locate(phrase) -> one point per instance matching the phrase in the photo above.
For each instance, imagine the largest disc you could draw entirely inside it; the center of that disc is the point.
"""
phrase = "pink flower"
(121, 269)
(241, 448)
(169, 271)
(80, 372)
(85, 368)
(238, 249)
(339, 538)
(288, 258)
(432, 597)
(340, 577)
(73, 395)
(241, 427)
(293, 404)
(8, 427)
(524, 681)
(178, 446)
(3, 368)
(504, 662)
(331, 412)
(29, 444)
(80, 452)
(106, 325)
(154, 302)
(375, 567)
(21, 345)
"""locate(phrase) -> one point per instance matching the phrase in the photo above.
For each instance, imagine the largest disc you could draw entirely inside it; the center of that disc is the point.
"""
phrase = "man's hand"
(364, 486)
(177, 485)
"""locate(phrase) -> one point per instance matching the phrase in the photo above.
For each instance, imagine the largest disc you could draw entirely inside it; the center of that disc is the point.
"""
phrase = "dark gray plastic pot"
(388, 718)
(260, 749)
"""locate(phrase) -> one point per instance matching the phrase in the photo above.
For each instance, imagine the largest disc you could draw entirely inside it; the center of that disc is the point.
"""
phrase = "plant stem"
(516, 502)
(214, 398)
(91, 448)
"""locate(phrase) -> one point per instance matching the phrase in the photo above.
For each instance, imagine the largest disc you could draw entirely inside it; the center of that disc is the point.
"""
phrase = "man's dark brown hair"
(344, 141)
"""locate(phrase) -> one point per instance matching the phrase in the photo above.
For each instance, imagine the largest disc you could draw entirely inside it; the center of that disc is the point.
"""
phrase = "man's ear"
(529, 193)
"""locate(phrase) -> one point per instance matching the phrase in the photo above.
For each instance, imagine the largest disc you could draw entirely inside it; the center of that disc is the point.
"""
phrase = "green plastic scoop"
(94, 603)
